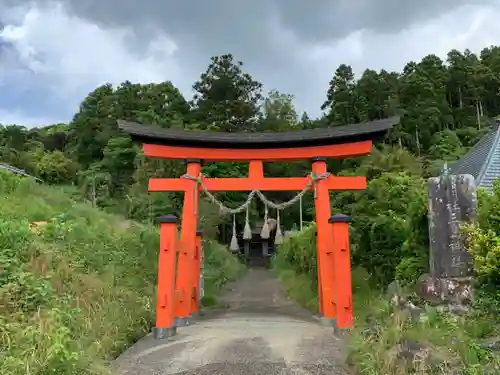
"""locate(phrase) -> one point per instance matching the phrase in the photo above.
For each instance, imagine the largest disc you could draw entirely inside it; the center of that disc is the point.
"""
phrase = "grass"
(453, 342)
(300, 286)
(295, 266)
(220, 268)
(380, 328)
(77, 285)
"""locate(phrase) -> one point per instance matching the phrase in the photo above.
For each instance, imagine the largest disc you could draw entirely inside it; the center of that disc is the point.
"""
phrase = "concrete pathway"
(258, 331)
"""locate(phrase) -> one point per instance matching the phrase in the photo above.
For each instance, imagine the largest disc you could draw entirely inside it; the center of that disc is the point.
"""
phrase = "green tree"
(278, 113)
(93, 125)
(118, 161)
(226, 99)
(56, 168)
(340, 101)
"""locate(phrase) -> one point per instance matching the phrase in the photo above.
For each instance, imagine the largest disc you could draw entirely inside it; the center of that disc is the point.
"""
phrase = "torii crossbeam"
(334, 270)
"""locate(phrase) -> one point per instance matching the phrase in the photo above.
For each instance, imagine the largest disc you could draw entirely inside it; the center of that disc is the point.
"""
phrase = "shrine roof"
(18, 171)
(300, 138)
(483, 160)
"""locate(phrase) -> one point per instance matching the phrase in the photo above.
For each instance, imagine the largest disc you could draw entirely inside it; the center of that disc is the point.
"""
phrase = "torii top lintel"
(335, 142)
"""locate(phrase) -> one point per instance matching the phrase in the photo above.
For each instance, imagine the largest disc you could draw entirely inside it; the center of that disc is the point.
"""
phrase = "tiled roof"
(483, 160)
(325, 136)
(15, 170)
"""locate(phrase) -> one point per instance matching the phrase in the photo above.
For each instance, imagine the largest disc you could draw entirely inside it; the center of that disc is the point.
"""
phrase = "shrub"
(295, 265)
(220, 267)
(409, 270)
(389, 223)
(55, 168)
(483, 238)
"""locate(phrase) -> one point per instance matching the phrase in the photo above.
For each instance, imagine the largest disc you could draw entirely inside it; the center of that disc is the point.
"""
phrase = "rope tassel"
(247, 231)
(234, 240)
(264, 233)
(278, 238)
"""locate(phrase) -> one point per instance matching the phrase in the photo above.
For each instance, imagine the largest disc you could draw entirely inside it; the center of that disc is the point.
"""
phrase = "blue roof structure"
(483, 160)
(15, 170)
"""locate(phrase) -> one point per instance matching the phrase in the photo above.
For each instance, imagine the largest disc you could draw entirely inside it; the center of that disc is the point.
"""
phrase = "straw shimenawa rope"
(247, 232)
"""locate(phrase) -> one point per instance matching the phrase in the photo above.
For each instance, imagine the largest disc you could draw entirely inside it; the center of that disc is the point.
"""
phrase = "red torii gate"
(178, 299)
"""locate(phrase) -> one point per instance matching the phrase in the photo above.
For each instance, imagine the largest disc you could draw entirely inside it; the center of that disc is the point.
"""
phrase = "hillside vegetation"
(445, 107)
(396, 243)
(77, 285)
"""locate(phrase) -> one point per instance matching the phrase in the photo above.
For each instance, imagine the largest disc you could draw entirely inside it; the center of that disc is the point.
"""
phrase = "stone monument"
(452, 201)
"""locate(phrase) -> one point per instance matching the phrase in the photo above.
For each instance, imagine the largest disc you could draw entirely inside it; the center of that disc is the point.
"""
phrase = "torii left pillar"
(165, 326)
(340, 246)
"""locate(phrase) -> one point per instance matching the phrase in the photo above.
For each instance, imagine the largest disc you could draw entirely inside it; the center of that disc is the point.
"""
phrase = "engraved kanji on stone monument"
(452, 201)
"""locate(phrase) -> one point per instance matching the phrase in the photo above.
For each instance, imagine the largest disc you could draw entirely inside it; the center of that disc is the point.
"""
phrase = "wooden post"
(340, 230)
(195, 291)
(326, 276)
(185, 265)
(201, 285)
(166, 278)
(246, 250)
(265, 248)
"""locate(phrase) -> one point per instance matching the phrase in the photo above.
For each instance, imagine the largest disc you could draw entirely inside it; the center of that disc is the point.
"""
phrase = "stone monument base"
(445, 290)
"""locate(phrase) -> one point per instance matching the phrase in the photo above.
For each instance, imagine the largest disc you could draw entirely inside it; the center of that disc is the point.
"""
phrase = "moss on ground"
(77, 284)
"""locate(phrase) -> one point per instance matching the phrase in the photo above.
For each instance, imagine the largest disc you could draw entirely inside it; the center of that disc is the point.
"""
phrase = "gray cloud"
(228, 20)
(270, 36)
(335, 19)
(243, 27)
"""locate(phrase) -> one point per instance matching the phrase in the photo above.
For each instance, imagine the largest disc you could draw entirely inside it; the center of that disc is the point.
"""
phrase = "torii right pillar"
(325, 259)
(342, 266)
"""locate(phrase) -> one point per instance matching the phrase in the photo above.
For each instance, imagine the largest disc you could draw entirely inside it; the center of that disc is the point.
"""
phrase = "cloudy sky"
(52, 53)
